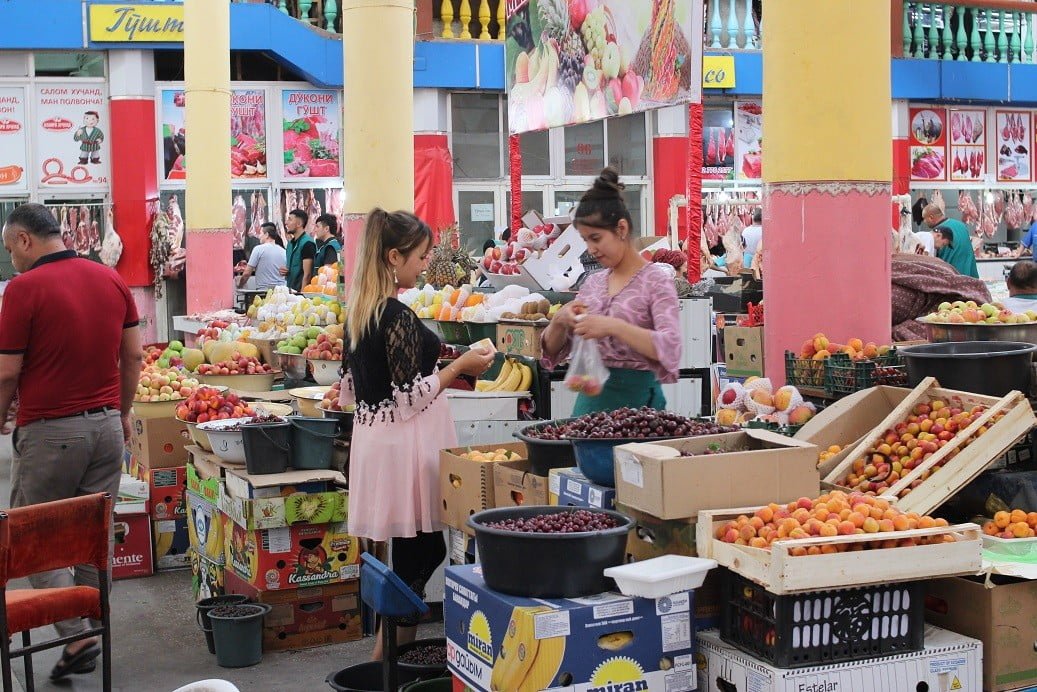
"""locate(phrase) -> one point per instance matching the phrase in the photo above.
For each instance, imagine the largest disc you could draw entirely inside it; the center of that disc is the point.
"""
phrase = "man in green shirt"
(300, 251)
(328, 246)
(955, 250)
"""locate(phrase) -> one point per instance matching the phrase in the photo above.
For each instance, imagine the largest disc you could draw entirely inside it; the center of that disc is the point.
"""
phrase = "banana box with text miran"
(172, 543)
(591, 644)
(205, 528)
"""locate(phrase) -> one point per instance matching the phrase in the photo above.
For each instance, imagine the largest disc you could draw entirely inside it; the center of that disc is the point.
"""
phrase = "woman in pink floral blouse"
(630, 308)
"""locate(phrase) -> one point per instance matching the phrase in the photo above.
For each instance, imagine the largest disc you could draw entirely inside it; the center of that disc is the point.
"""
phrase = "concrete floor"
(157, 646)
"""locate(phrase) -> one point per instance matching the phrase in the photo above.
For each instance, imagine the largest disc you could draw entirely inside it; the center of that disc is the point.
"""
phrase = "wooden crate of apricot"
(834, 541)
(924, 451)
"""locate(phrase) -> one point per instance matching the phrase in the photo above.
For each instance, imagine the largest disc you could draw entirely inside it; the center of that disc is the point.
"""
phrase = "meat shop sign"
(154, 23)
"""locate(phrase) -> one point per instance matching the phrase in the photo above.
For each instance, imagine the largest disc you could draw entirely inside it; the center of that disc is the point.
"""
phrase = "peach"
(747, 533)
(800, 414)
(856, 344)
(828, 530)
(798, 551)
(808, 349)
(886, 525)
(758, 542)
(762, 397)
(831, 549)
(727, 416)
(765, 513)
(820, 342)
(1020, 530)
(870, 525)
(814, 550)
(1018, 516)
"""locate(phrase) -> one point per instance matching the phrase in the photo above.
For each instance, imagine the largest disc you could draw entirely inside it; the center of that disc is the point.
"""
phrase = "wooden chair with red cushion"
(44, 537)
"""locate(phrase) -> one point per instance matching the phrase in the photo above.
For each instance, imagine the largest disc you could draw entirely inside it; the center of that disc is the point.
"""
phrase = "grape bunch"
(578, 521)
(634, 423)
(429, 655)
(595, 34)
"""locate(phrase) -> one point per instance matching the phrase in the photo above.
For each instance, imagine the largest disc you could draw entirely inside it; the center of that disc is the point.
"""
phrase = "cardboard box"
(949, 663)
(743, 351)
(570, 488)
(1004, 618)
(467, 486)
(306, 617)
(292, 556)
(204, 529)
(208, 578)
(517, 485)
(757, 467)
(132, 556)
(172, 543)
(519, 339)
(603, 642)
(463, 550)
(242, 485)
(297, 508)
(133, 496)
(159, 443)
(206, 474)
(166, 488)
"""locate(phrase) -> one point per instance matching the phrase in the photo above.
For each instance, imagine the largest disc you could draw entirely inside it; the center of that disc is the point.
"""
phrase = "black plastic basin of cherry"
(548, 565)
(545, 455)
(429, 652)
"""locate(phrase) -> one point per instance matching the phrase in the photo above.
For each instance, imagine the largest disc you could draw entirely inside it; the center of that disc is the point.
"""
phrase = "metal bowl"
(940, 332)
(293, 365)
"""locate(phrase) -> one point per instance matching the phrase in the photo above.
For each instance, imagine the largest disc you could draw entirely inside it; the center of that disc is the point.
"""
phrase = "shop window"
(476, 135)
(584, 149)
(65, 64)
(628, 144)
(536, 153)
(532, 200)
(14, 64)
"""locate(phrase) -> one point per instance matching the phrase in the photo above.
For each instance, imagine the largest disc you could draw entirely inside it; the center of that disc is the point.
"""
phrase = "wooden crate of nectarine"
(835, 545)
(925, 450)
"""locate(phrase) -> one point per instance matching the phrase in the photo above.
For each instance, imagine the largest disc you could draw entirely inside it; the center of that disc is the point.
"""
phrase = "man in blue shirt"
(1026, 244)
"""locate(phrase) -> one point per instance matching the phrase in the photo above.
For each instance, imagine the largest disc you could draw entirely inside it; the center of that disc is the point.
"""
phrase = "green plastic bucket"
(237, 631)
(313, 442)
(207, 604)
(267, 447)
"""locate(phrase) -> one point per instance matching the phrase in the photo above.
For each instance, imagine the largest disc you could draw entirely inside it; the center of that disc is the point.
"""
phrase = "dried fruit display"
(578, 521)
(832, 514)
(628, 423)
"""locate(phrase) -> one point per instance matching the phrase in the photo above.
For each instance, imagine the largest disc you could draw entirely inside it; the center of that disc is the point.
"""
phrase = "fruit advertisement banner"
(72, 131)
(573, 61)
(247, 129)
(14, 138)
(1014, 158)
(718, 144)
(311, 126)
(928, 142)
(968, 144)
(749, 139)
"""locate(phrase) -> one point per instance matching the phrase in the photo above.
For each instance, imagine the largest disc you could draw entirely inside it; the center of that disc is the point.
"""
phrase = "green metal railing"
(970, 32)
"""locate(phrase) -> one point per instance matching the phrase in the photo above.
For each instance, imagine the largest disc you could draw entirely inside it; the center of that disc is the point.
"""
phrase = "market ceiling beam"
(826, 226)
(207, 119)
(377, 112)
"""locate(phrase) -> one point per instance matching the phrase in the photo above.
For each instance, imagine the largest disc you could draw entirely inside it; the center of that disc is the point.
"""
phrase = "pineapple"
(571, 61)
(442, 270)
(554, 14)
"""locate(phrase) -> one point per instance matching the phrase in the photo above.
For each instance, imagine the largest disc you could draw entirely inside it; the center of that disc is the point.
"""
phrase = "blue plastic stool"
(386, 594)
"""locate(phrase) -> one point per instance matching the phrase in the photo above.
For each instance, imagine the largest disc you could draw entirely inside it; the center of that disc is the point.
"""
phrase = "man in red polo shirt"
(70, 348)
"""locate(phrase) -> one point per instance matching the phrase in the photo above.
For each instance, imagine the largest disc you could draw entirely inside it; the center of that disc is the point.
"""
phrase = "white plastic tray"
(661, 576)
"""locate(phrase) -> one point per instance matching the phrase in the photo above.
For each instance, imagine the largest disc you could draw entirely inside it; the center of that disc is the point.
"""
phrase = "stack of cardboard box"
(133, 555)
(279, 539)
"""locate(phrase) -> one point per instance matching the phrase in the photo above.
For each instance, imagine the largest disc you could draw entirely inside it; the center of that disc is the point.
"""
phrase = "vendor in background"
(1022, 287)
(953, 247)
(300, 251)
(328, 246)
(918, 285)
(630, 308)
(751, 237)
(266, 261)
(1026, 242)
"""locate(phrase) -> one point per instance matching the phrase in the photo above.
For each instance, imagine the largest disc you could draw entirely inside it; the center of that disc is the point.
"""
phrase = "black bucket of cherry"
(546, 446)
(549, 552)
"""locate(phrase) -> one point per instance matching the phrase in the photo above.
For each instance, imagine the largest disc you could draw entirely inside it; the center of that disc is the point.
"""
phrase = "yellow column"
(207, 121)
(378, 111)
(827, 173)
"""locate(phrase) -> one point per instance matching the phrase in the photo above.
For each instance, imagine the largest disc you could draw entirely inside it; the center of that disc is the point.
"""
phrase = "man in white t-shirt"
(267, 260)
(1022, 287)
(751, 237)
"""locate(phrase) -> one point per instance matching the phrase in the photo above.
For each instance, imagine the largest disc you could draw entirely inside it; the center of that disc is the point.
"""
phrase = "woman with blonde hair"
(401, 422)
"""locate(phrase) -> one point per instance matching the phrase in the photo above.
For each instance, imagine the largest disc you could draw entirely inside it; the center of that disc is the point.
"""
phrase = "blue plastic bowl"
(595, 457)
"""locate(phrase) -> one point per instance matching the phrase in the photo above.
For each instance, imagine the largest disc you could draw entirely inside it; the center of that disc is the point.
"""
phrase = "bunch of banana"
(163, 541)
(513, 377)
(525, 663)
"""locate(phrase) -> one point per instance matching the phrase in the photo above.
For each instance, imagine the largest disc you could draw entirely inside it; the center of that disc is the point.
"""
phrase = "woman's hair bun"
(607, 184)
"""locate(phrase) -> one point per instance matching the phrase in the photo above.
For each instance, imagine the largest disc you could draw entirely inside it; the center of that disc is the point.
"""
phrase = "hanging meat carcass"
(711, 151)
(937, 199)
(259, 216)
(237, 221)
(82, 240)
(967, 208)
(1014, 213)
(174, 223)
(312, 210)
(66, 231)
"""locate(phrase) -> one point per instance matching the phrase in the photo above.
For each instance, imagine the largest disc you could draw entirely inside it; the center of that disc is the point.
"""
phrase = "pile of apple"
(1012, 524)
(961, 312)
(240, 365)
(212, 330)
(832, 514)
(327, 347)
(207, 403)
(756, 399)
(163, 384)
(930, 426)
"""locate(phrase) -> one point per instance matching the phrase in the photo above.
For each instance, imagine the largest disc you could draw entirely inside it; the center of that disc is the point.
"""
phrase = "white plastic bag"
(587, 373)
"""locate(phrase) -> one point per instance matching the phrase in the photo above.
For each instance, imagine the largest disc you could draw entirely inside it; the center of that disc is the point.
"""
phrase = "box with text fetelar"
(603, 642)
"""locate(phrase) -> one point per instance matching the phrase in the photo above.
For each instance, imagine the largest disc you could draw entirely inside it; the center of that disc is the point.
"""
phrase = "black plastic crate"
(799, 630)
(844, 376)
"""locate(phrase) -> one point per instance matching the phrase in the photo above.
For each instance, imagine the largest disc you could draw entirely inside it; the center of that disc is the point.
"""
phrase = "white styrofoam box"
(133, 496)
(482, 405)
(486, 432)
(948, 663)
(696, 320)
(562, 257)
(563, 400)
(523, 278)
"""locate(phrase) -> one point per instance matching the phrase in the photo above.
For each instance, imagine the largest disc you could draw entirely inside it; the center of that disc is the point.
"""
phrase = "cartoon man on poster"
(90, 137)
